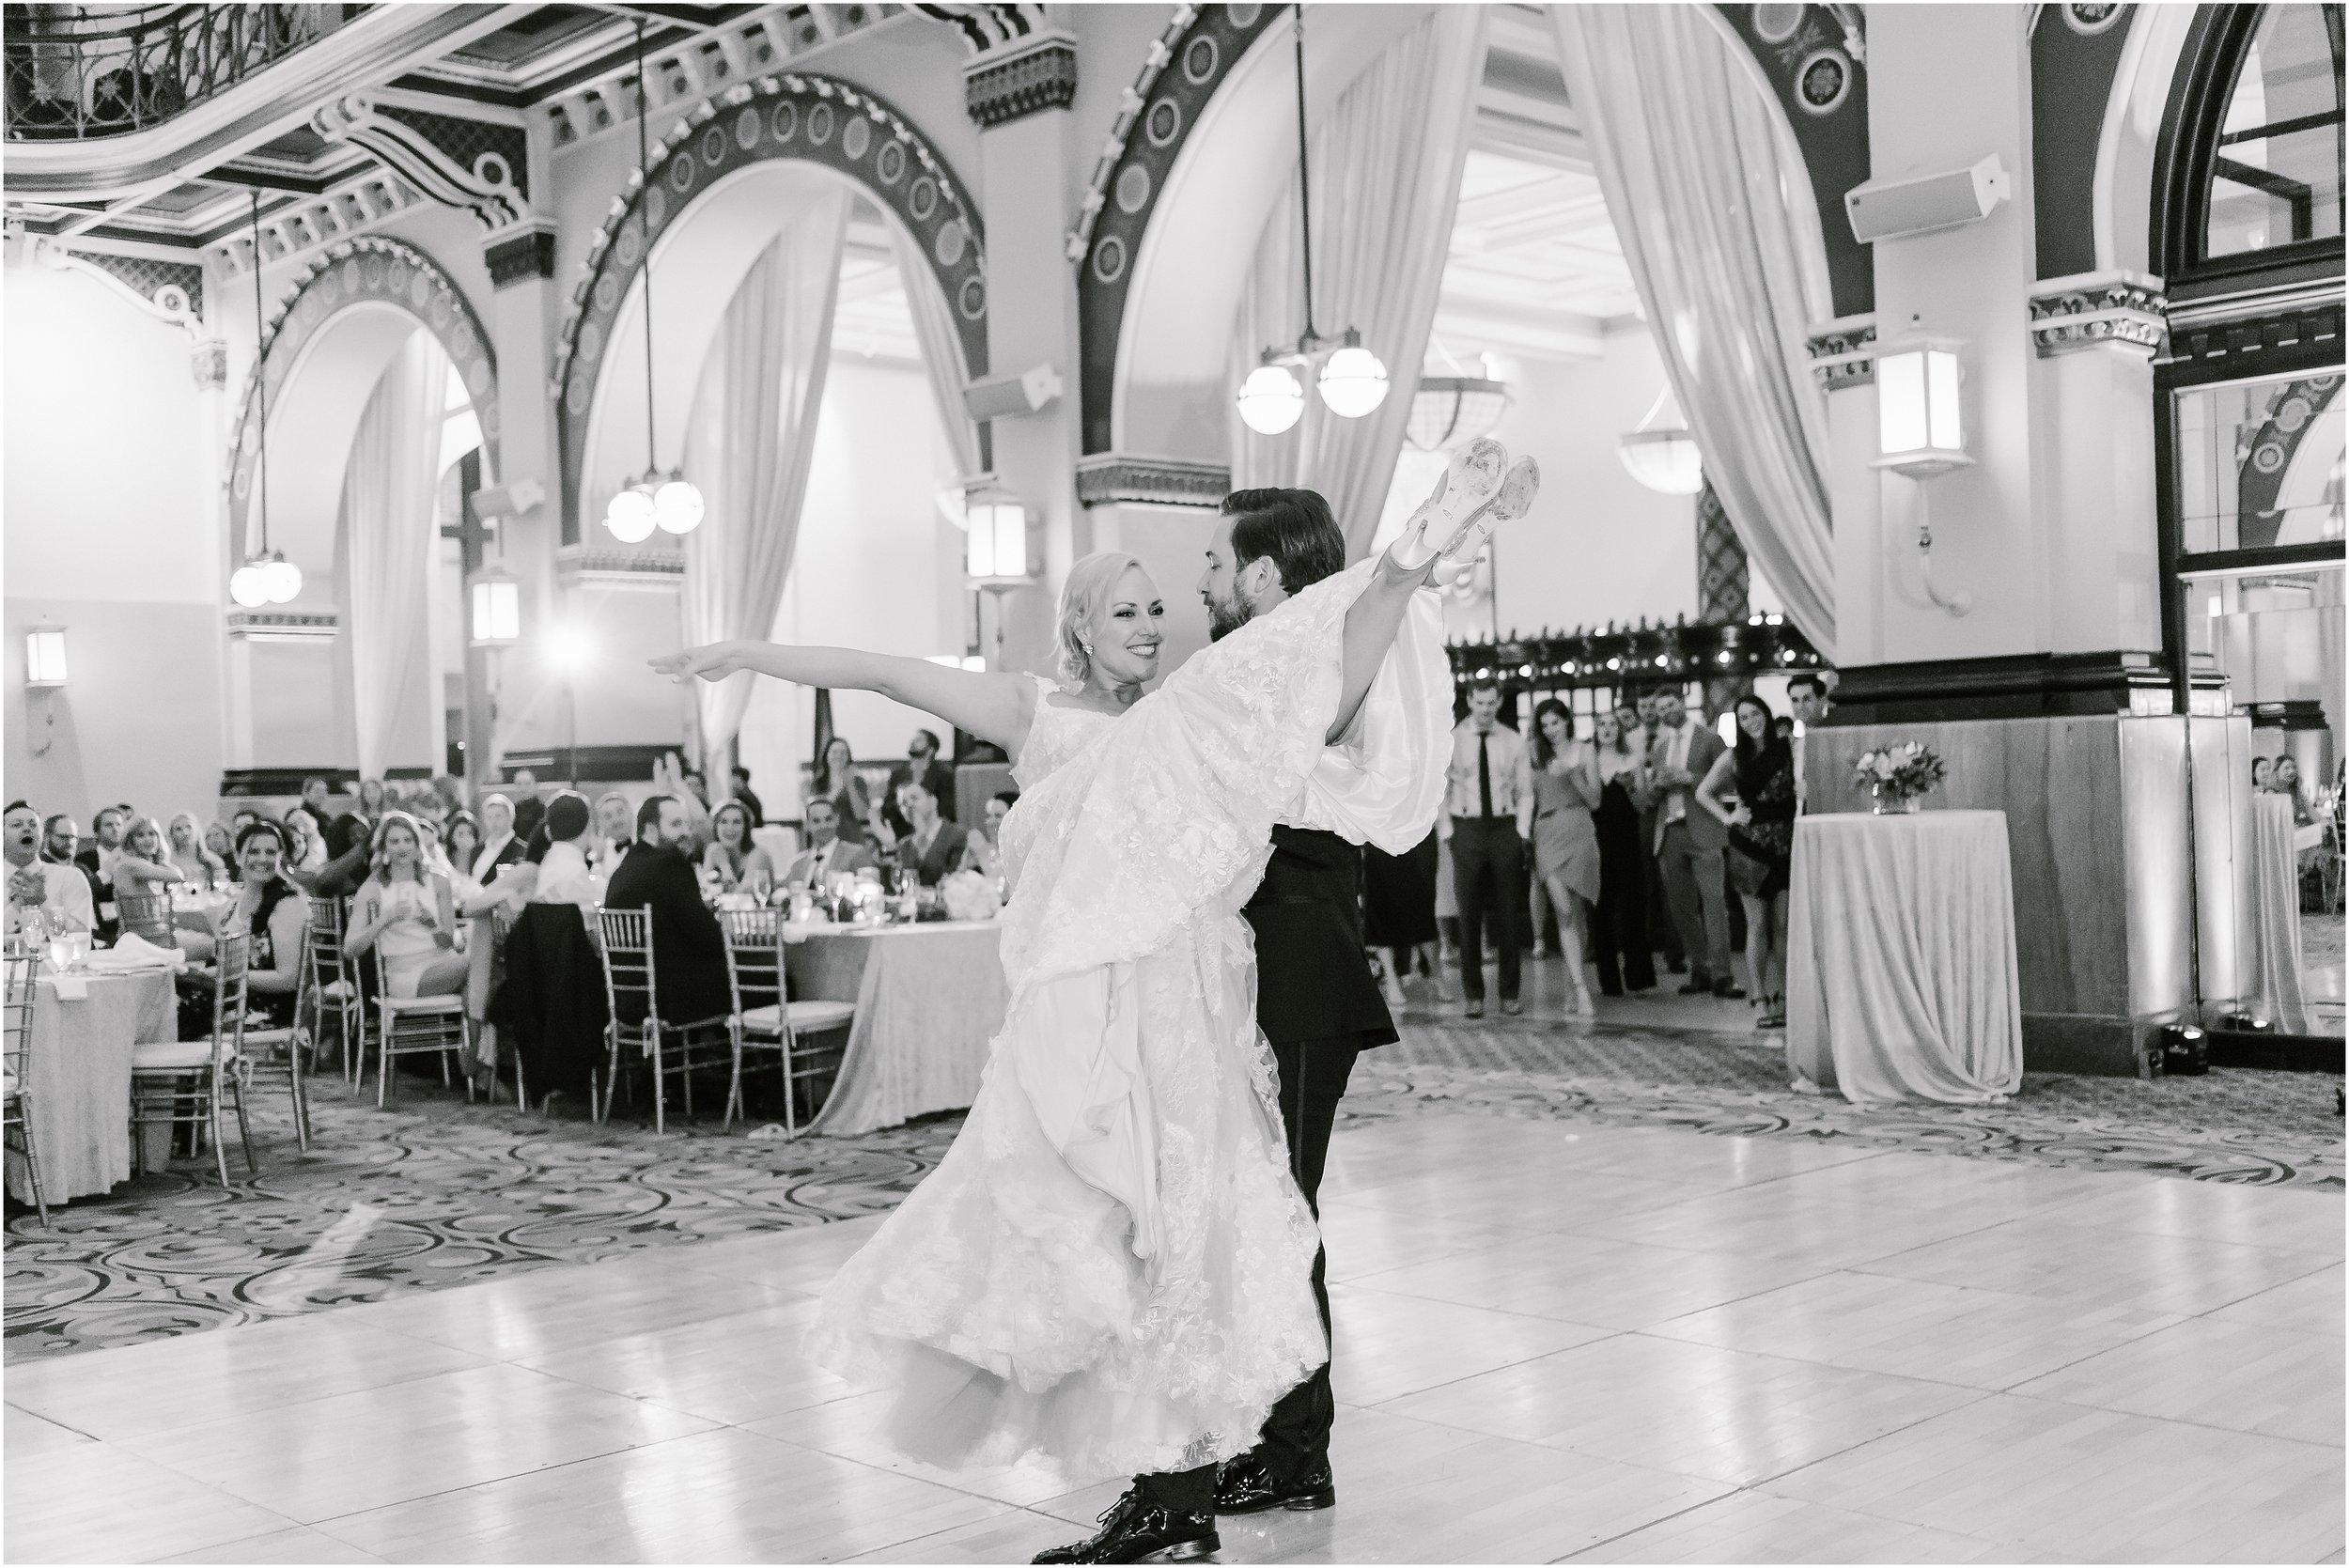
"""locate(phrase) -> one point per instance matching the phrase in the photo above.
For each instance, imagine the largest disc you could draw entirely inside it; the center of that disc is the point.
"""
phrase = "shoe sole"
(1309, 1502)
(1185, 1551)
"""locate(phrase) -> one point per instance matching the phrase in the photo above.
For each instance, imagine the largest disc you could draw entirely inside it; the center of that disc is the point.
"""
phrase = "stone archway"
(815, 119)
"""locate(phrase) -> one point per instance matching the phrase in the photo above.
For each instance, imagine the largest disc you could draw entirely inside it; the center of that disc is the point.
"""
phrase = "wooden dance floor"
(1622, 1343)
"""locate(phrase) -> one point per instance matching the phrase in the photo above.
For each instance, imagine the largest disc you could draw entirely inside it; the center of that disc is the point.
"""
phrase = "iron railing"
(76, 73)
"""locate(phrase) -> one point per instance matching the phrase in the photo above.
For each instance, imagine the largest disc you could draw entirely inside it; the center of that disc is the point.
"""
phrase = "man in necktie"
(1688, 844)
(1807, 692)
(1489, 778)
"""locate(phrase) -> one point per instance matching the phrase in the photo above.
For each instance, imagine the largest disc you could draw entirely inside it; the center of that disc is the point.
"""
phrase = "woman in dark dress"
(1399, 915)
(836, 781)
(1619, 928)
(1761, 844)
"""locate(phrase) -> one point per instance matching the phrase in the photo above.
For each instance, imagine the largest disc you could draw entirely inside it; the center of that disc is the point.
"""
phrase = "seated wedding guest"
(501, 844)
(198, 865)
(687, 948)
(984, 852)
(238, 820)
(529, 811)
(668, 778)
(143, 870)
(312, 805)
(461, 842)
(616, 824)
(218, 845)
(836, 781)
(730, 846)
(277, 915)
(2285, 780)
(921, 767)
(932, 846)
(107, 829)
(60, 842)
(827, 852)
(410, 912)
(744, 793)
(306, 847)
(2262, 772)
(699, 785)
(349, 845)
(60, 892)
(564, 875)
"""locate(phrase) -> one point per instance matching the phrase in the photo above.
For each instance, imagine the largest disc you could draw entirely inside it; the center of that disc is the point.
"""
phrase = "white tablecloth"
(80, 1080)
(2274, 894)
(930, 1000)
(1900, 978)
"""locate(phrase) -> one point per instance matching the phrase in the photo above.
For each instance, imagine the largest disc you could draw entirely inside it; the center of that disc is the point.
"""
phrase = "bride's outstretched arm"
(1370, 628)
(992, 706)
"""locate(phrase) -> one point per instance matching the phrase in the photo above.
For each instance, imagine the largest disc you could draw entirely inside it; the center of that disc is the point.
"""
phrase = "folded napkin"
(132, 954)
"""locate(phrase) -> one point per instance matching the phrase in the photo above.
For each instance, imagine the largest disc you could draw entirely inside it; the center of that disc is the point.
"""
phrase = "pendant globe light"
(1352, 381)
(1667, 460)
(267, 578)
(669, 502)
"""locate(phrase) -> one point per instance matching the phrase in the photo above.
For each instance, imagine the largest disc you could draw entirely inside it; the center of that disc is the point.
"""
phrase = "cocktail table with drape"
(930, 1000)
(1901, 978)
(81, 1078)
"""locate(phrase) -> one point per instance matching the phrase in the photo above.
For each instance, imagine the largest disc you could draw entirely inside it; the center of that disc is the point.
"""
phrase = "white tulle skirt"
(1005, 1300)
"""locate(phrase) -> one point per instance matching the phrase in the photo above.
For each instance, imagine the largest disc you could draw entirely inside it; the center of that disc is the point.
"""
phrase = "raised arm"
(1370, 628)
(992, 706)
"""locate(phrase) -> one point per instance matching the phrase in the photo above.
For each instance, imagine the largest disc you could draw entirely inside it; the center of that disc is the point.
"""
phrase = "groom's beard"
(1225, 616)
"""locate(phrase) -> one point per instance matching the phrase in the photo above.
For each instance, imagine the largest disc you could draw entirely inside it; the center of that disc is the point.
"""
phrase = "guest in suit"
(826, 851)
(932, 846)
(501, 844)
(1488, 776)
(1807, 693)
(689, 951)
(60, 837)
(1688, 844)
(921, 767)
(529, 811)
(1662, 935)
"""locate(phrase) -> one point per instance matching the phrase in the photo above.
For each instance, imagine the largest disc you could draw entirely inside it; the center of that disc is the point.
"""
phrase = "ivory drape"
(941, 351)
(1706, 194)
(750, 439)
(388, 546)
(1386, 177)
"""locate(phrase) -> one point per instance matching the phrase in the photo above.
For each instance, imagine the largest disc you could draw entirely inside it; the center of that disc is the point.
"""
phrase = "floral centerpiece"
(1897, 777)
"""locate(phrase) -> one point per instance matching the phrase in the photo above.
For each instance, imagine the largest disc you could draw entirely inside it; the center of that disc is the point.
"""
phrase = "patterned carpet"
(434, 1192)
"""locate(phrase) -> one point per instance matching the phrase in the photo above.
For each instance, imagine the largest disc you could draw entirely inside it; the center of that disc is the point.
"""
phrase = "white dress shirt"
(1505, 757)
(64, 890)
(1676, 756)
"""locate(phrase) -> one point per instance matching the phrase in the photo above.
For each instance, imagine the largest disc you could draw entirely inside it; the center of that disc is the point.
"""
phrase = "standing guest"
(730, 849)
(838, 780)
(1688, 844)
(689, 950)
(827, 852)
(1761, 844)
(274, 913)
(1486, 779)
(410, 912)
(932, 846)
(218, 845)
(1399, 915)
(60, 892)
(748, 797)
(1663, 935)
(500, 845)
(1807, 692)
(312, 805)
(529, 811)
(1620, 939)
(1557, 815)
(922, 766)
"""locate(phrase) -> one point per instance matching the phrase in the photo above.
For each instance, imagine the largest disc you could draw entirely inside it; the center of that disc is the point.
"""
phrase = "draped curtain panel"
(750, 441)
(1386, 177)
(389, 545)
(941, 351)
(1702, 186)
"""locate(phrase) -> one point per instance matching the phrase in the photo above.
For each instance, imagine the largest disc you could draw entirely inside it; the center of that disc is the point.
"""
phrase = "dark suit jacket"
(1705, 833)
(937, 778)
(100, 895)
(528, 813)
(945, 857)
(689, 951)
(551, 1000)
(1311, 980)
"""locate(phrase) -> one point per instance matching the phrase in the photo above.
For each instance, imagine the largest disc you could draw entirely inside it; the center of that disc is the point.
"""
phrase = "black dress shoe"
(1729, 990)
(1136, 1530)
(1247, 1486)
(1697, 986)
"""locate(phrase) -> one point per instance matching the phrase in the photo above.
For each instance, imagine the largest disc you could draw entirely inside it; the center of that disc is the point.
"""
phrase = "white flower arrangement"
(1898, 774)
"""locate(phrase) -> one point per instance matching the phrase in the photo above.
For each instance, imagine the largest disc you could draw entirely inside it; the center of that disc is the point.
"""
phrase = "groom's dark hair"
(1293, 527)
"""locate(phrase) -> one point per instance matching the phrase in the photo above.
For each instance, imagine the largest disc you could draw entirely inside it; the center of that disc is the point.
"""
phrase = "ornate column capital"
(1022, 78)
(2118, 307)
(1843, 352)
(519, 252)
(1114, 478)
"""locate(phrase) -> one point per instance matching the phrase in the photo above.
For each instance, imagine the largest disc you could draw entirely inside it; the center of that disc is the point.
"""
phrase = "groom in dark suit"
(1319, 1007)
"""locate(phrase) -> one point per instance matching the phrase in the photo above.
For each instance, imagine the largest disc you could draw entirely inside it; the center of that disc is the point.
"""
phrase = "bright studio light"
(676, 506)
(246, 587)
(630, 517)
(1270, 401)
(281, 579)
(1354, 382)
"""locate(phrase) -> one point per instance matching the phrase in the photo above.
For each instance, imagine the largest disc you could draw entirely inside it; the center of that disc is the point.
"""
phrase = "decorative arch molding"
(817, 119)
(1813, 60)
(1199, 49)
(2292, 411)
(371, 269)
(2076, 49)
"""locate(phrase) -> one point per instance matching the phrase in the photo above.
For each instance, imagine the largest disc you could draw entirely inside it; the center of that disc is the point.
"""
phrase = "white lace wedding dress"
(1111, 1265)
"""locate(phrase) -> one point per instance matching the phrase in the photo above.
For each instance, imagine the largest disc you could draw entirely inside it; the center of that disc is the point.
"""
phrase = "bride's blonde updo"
(1083, 597)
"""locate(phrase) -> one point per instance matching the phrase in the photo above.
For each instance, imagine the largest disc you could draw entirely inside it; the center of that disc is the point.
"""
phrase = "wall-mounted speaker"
(1895, 209)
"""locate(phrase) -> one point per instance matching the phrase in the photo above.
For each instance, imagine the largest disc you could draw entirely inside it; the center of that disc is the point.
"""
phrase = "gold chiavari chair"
(148, 916)
(335, 978)
(765, 1019)
(417, 1026)
(21, 967)
(272, 1051)
(673, 1049)
(184, 1081)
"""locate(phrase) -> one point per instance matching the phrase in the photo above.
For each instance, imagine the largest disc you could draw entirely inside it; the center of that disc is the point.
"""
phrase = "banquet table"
(2276, 954)
(1901, 977)
(930, 1000)
(81, 1078)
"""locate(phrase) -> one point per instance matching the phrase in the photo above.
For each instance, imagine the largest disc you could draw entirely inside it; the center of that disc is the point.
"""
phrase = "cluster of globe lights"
(266, 579)
(1353, 383)
(668, 501)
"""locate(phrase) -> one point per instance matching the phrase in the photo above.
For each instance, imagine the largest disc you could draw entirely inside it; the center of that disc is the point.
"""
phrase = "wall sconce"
(497, 609)
(1920, 431)
(44, 656)
(998, 548)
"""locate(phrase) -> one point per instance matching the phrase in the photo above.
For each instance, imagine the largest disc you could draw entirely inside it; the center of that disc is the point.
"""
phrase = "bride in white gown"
(1112, 1265)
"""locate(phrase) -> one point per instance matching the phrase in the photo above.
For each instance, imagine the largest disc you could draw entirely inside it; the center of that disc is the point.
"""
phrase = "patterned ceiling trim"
(989, 25)
(816, 118)
(2116, 306)
(1186, 64)
(1114, 478)
(1844, 353)
(2072, 70)
(1813, 58)
(2266, 457)
(1024, 79)
(357, 271)
(488, 184)
(299, 227)
(284, 626)
(168, 290)
(603, 566)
